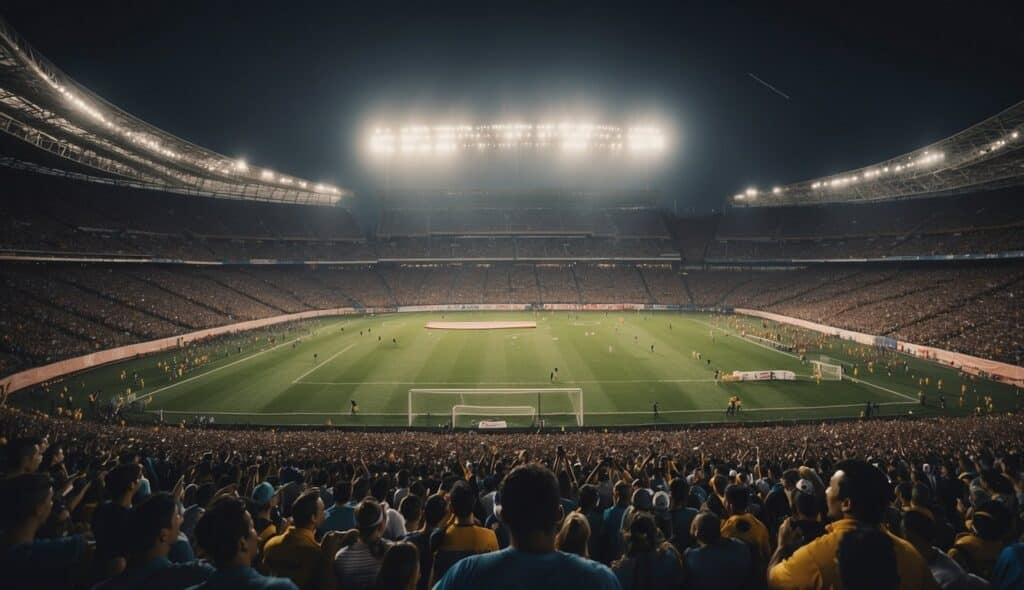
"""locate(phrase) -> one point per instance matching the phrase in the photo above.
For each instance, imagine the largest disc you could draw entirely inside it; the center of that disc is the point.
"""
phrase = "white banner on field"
(996, 370)
(764, 375)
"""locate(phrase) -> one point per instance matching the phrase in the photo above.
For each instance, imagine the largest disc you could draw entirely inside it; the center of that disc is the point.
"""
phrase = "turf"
(280, 383)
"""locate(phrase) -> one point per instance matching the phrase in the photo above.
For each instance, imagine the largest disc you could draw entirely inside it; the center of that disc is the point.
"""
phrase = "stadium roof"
(986, 155)
(43, 106)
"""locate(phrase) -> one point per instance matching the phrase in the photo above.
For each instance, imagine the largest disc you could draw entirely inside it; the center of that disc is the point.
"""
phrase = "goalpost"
(827, 372)
(558, 405)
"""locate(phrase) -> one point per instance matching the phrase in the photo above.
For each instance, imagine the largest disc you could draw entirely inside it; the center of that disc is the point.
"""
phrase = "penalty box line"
(480, 384)
(329, 359)
(212, 371)
(847, 377)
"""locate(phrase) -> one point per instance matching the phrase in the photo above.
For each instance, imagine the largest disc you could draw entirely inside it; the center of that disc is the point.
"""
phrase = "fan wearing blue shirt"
(226, 534)
(531, 507)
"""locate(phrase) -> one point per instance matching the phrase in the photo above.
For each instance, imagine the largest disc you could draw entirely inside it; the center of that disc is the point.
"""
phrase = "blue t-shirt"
(612, 532)
(723, 565)
(339, 518)
(1008, 572)
(681, 521)
(658, 570)
(43, 563)
(243, 578)
(511, 569)
(159, 573)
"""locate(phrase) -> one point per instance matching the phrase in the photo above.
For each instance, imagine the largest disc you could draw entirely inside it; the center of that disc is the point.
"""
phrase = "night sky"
(294, 86)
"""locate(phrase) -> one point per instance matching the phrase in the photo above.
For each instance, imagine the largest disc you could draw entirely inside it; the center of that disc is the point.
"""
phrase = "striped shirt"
(356, 567)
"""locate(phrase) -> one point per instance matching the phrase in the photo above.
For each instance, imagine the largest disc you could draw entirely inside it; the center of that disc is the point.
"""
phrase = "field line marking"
(731, 333)
(632, 412)
(317, 366)
(487, 383)
(206, 413)
(212, 371)
(775, 409)
(885, 389)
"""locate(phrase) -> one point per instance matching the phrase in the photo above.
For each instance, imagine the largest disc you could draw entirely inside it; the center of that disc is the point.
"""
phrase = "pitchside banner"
(764, 376)
(990, 369)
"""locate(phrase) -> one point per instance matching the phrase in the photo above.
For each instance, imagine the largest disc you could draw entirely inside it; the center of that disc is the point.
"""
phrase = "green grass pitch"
(607, 355)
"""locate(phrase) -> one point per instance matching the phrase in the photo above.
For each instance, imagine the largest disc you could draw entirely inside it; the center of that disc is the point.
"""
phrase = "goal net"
(558, 406)
(827, 372)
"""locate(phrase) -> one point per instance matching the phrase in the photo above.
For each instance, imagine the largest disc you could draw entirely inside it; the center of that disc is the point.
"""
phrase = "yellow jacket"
(294, 554)
(815, 566)
(750, 530)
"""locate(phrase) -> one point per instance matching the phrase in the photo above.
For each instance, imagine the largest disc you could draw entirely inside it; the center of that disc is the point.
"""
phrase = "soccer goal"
(557, 406)
(827, 372)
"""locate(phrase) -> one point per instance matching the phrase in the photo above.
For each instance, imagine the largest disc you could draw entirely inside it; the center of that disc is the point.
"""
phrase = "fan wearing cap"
(264, 500)
(531, 508)
(857, 497)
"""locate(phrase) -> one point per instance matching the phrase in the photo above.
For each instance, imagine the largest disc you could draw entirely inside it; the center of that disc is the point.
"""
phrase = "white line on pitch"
(331, 358)
(205, 413)
(777, 409)
(211, 371)
(479, 383)
(903, 395)
(632, 412)
(885, 389)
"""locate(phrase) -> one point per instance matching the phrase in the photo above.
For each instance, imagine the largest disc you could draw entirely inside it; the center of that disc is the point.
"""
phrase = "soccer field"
(376, 360)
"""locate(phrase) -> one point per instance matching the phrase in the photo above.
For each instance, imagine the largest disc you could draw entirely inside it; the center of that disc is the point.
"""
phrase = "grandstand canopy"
(986, 155)
(44, 107)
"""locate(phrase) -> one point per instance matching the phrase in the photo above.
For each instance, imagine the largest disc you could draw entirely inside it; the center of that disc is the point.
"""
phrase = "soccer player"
(655, 409)
(652, 348)
(353, 408)
(315, 356)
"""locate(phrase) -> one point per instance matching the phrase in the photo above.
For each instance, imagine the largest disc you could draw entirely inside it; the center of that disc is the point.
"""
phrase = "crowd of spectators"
(933, 503)
(55, 311)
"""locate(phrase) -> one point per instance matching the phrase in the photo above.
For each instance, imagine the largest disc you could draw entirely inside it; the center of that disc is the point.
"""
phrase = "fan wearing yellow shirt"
(744, 526)
(463, 537)
(858, 496)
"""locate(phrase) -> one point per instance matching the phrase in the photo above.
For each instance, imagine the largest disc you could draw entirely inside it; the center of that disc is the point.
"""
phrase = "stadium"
(480, 300)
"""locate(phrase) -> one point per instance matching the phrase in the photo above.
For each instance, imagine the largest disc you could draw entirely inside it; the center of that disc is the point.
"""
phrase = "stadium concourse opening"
(500, 325)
